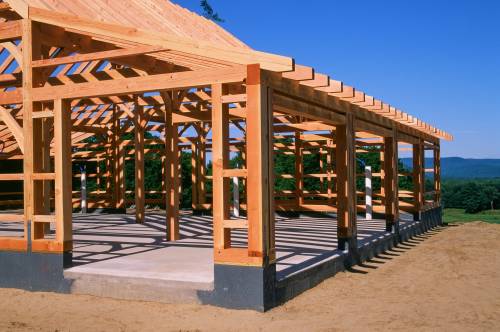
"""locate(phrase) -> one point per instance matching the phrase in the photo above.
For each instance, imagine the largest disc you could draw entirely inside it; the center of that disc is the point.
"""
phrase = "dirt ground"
(448, 279)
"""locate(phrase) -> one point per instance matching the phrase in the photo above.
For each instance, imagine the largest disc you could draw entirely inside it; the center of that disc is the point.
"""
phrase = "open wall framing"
(77, 90)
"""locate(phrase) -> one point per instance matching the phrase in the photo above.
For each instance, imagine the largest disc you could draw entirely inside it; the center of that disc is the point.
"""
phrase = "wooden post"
(346, 185)
(202, 169)
(418, 179)
(260, 179)
(41, 164)
(391, 182)
(28, 57)
(220, 161)
(299, 170)
(194, 174)
(368, 193)
(172, 166)
(83, 180)
(329, 165)
(118, 162)
(64, 176)
(139, 127)
(437, 174)
(236, 197)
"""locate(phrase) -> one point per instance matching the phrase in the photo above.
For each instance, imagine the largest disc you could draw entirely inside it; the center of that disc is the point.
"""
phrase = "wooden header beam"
(137, 85)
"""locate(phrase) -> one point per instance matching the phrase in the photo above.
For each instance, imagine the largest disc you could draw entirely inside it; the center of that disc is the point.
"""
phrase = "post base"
(35, 271)
(242, 287)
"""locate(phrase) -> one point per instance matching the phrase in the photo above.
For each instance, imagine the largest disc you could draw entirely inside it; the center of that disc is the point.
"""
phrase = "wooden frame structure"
(73, 87)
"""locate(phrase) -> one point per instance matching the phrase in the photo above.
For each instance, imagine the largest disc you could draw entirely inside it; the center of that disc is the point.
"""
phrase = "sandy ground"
(447, 280)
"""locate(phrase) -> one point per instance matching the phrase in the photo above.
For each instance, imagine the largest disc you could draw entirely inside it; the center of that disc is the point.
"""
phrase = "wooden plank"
(300, 73)
(11, 177)
(235, 224)
(11, 218)
(44, 176)
(239, 173)
(137, 85)
(105, 55)
(43, 115)
(44, 218)
(63, 170)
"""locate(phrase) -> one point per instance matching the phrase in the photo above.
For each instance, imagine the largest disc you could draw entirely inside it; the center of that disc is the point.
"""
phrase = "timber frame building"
(77, 76)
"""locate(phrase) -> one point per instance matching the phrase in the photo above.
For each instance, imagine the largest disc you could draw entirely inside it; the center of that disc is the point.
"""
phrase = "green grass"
(458, 215)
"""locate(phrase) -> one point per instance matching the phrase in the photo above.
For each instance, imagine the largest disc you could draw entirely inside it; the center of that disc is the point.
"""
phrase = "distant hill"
(461, 168)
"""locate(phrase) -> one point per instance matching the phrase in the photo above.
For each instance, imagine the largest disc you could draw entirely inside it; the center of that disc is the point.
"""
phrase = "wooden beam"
(105, 55)
(11, 97)
(138, 85)
(10, 30)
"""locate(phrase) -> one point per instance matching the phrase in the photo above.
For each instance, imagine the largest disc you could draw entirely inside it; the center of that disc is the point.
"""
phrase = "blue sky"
(437, 60)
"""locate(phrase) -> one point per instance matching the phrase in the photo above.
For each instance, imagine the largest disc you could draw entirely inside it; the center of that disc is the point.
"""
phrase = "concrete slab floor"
(114, 245)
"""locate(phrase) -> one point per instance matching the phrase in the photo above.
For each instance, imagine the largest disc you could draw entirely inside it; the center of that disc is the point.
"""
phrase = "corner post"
(346, 185)
(260, 180)
(246, 278)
